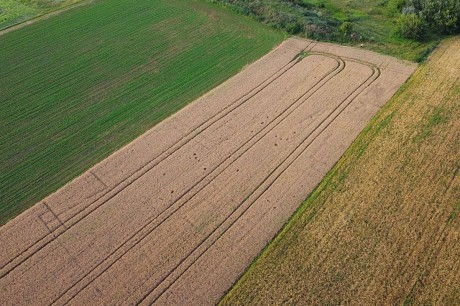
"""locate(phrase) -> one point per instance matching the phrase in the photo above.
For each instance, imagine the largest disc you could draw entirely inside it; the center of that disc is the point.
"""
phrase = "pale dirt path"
(177, 215)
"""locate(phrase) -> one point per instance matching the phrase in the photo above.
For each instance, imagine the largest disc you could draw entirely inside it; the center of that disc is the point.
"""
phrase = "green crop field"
(79, 85)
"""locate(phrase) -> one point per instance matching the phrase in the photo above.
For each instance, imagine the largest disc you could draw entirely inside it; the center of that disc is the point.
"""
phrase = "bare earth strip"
(177, 215)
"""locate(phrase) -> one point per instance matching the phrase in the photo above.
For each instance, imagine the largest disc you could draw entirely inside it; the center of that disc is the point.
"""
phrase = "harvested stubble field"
(80, 85)
(384, 226)
(177, 215)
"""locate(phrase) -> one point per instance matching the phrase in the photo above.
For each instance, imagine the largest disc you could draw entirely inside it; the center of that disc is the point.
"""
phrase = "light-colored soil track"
(176, 216)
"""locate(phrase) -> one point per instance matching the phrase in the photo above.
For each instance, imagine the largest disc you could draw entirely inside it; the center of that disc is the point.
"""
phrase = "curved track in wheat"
(177, 215)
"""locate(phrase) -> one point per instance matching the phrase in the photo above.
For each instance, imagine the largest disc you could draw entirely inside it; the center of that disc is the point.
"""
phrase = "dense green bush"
(419, 17)
(442, 15)
(346, 28)
(410, 26)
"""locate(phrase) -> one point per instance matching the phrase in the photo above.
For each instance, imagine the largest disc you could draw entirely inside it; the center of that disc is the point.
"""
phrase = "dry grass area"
(384, 226)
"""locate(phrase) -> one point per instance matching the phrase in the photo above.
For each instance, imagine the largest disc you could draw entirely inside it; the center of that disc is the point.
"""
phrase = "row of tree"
(417, 18)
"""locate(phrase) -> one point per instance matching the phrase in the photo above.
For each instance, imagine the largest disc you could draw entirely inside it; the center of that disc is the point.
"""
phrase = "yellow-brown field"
(384, 226)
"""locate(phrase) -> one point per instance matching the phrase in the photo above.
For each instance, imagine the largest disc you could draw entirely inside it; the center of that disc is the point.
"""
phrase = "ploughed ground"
(177, 215)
